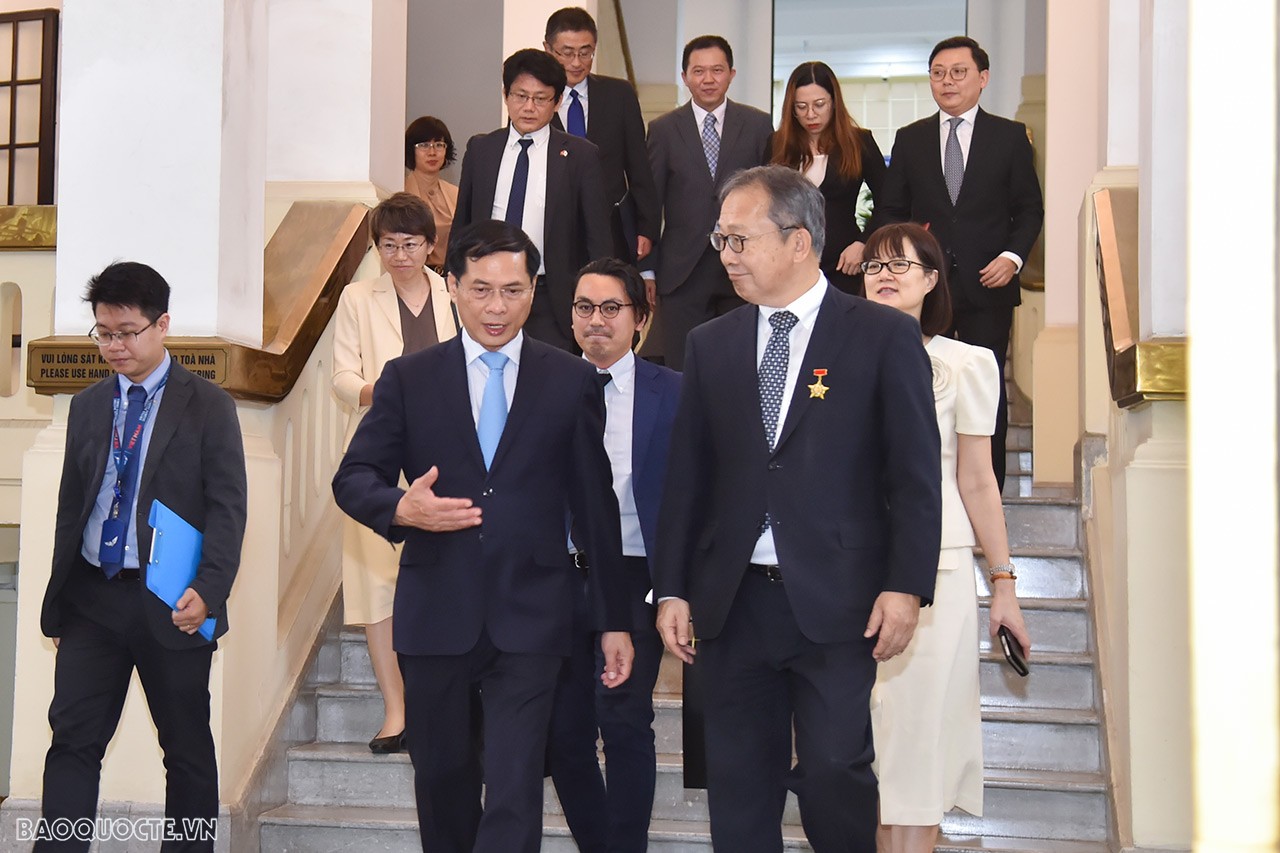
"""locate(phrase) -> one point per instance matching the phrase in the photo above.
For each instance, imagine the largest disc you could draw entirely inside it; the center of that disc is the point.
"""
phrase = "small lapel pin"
(817, 389)
(564, 152)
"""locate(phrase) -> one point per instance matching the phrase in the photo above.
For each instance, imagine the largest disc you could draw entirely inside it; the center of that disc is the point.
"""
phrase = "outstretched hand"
(422, 508)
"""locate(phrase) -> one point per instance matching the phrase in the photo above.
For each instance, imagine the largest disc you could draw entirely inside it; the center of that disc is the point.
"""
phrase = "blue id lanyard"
(123, 456)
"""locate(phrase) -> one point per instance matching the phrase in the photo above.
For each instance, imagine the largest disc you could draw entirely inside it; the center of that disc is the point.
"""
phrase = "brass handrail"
(309, 259)
(626, 45)
(1139, 371)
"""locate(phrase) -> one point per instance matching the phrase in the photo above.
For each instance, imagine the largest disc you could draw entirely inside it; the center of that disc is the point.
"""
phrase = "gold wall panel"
(28, 226)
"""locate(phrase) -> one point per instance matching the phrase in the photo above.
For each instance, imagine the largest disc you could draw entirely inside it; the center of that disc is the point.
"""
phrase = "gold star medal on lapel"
(817, 389)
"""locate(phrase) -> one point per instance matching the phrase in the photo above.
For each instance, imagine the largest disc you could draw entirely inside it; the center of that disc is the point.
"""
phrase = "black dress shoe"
(387, 745)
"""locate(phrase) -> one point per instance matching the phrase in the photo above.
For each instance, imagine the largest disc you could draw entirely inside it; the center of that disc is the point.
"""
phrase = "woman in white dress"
(404, 310)
(926, 709)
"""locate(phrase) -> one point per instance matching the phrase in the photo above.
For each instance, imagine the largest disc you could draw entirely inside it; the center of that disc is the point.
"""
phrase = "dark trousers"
(612, 816)
(706, 294)
(761, 675)
(95, 662)
(542, 323)
(516, 693)
(990, 328)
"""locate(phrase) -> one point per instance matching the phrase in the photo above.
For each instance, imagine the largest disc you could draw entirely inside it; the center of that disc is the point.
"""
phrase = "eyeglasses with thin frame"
(522, 98)
(897, 266)
(802, 107)
(582, 53)
(483, 293)
(106, 339)
(608, 309)
(389, 249)
(956, 72)
(432, 145)
(738, 242)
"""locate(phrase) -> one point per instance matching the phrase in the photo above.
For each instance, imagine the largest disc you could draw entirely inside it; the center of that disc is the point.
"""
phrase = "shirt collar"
(539, 136)
(473, 350)
(153, 380)
(701, 115)
(965, 117)
(581, 89)
(805, 306)
(622, 372)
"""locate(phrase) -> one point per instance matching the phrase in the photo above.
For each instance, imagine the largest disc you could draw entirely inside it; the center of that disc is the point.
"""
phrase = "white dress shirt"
(620, 403)
(478, 371)
(535, 196)
(805, 307)
(964, 135)
(700, 115)
(567, 100)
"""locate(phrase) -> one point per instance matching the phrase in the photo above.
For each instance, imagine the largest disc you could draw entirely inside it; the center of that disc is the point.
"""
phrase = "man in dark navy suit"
(605, 111)
(543, 181)
(500, 437)
(800, 522)
(970, 176)
(609, 309)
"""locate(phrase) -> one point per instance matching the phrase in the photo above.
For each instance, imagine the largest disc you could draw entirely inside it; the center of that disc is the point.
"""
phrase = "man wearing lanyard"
(152, 431)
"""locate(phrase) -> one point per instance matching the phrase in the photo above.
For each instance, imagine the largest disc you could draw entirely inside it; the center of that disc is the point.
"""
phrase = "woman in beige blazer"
(404, 310)
(428, 148)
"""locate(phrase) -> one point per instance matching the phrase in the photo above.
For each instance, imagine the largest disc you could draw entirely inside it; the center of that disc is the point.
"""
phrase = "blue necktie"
(493, 407)
(129, 482)
(711, 143)
(953, 162)
(577, 118)
(519, 183)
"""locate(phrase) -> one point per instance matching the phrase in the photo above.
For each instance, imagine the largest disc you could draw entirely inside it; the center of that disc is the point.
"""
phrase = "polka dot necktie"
(953, 161)
(773, 371)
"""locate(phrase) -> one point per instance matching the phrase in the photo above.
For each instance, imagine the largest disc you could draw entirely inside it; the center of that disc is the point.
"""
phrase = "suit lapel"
(92, 456)
(529, 383)
(728, 136)
(644, 413)
(487, 178)
(980, 150)
(456, 399)
(738, 374)
(384, 296)
(824, 348)
(177, 394)
(688, 130)
(933, 153)
(557, 180)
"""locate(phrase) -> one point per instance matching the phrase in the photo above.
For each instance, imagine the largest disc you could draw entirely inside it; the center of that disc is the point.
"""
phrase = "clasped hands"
(893, 617)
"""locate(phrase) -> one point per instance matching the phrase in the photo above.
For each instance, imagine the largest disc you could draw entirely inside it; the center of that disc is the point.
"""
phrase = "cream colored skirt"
(370, 565)
(926, 708)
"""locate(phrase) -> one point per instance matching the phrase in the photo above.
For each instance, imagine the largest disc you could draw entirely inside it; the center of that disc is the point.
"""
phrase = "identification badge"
(114, 532)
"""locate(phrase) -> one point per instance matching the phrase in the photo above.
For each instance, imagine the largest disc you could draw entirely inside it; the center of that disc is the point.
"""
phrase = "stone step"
(1042, 739)
(1018, 437)
(339, 829)
(1016, 461)
(1042, 572)
(1042, 522)
(1055, 625)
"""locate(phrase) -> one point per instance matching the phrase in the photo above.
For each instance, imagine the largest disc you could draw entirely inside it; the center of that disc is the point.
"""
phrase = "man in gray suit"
(150, 432)
(693, 150)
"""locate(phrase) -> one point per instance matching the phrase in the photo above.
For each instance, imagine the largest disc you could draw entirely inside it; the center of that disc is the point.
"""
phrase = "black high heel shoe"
(388, 745)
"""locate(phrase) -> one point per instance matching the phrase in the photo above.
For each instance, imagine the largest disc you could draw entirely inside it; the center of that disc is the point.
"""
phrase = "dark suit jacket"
(657, 394)
(686, 191)
(853, 486)
(576, 222)
(194, 464)
(841, 197)
(1000, 207)
(616, 127)
(511, 576)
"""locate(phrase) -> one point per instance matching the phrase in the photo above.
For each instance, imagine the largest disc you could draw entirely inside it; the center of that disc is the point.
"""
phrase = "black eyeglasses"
(738, 242)
(106, 339)
(897, 266)
(608, 309)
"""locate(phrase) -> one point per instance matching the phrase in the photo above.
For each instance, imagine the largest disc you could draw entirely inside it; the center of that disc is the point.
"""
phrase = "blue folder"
(175, 555)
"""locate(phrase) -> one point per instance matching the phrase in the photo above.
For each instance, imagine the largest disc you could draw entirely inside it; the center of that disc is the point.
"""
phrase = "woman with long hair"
(817, 136)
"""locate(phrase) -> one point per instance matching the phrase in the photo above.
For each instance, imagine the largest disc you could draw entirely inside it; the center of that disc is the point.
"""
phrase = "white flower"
(942, 377)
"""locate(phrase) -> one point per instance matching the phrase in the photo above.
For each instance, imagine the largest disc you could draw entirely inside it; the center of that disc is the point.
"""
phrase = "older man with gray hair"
(799, 524)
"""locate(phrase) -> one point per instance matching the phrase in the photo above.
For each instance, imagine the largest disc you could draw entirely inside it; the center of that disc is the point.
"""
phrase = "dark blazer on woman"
(842, 208)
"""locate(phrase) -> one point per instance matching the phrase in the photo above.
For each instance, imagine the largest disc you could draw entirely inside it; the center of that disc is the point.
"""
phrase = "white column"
(336, 92)
(1122, 83)
(1163, 167)
(1231, 202)
(161, 156)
